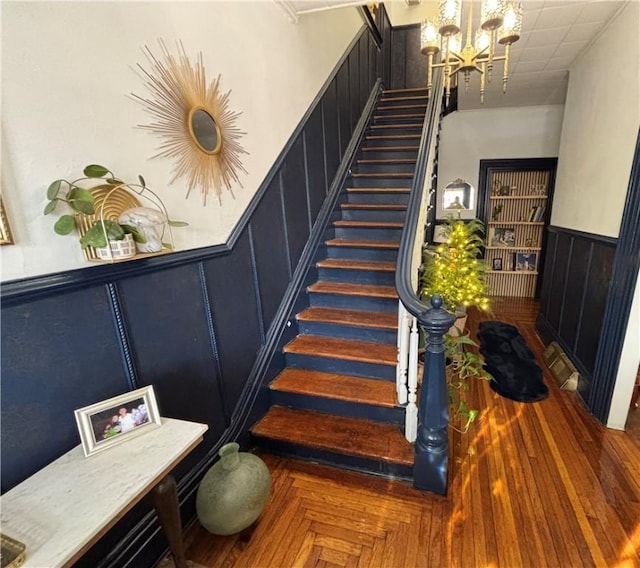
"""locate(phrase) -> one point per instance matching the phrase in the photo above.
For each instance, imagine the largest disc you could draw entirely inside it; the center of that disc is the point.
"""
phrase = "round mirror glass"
(458, 195)
(205, 130)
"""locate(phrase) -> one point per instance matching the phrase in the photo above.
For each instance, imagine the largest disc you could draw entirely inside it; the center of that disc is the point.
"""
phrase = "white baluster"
(411, 417)
(403, 354)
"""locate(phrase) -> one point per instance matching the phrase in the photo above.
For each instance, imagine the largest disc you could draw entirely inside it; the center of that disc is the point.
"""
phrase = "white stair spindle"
(411, 418)
(403, 354)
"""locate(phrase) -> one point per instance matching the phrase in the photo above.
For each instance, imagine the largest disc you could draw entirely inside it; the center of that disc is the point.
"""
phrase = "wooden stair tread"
(394, 107)
(408, 115)
(369, 224)
(407, 90)
(374, 206)
(346, 349)
(336, 387)
(392, 149)
(361, 318)
(406, 125)
(392, 137)
(405, 175)
(337, 434)
(415, 98)
(378, 190)
(362, 243)
(356, 264)
(347, 289)
(389, 161)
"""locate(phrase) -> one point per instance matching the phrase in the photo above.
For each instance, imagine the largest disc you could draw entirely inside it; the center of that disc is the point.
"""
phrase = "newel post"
(432, 453)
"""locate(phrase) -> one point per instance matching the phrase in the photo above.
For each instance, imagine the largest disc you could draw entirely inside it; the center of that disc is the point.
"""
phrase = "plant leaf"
(50, 206)
(167, 246)
(81, 194)
(64, 225)
(95, 235)
(54, 189)
(141, 180)
(114, 181)
(178, 223)
(137, 236)
(95, 171)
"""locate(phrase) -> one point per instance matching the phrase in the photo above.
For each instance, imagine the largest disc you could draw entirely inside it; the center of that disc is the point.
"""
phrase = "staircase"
(335, 402)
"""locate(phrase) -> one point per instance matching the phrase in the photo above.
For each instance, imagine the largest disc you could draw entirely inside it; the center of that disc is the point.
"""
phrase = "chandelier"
(501, 23)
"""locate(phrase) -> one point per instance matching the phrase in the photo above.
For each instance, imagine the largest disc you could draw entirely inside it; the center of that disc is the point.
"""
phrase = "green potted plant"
(462, 364)
(107, 236)
(454, 271)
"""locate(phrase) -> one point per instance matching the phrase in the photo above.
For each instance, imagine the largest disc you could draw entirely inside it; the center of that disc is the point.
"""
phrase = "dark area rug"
(511, 363)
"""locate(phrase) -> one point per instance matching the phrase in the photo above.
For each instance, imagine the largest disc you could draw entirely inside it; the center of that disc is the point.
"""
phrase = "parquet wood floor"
(533, 485)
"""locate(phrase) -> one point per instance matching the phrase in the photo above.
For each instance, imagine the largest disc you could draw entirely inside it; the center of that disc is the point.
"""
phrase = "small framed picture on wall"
(497, 263)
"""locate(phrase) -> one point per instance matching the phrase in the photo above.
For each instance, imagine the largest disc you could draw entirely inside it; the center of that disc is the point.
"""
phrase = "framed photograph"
(497, 263)
(5, 231)
(110, 422)
(526, 261)
(504, 237)
(440, 234)
(504, 190)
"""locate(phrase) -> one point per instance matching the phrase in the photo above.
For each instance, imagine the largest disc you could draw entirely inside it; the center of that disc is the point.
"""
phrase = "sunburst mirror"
(193, 119)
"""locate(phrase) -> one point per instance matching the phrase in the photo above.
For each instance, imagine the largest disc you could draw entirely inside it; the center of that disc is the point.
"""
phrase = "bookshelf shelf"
(516, 208)
(518, 197)
(518, 272)
(516, 223)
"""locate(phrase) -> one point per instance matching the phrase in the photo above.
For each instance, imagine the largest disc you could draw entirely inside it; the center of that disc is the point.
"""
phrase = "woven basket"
(109, 203)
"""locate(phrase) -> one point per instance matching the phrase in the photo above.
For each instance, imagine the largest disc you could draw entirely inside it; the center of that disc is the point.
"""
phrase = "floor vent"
(561, 367)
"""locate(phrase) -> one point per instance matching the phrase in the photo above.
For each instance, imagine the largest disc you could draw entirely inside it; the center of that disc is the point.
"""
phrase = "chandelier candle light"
(501, 23)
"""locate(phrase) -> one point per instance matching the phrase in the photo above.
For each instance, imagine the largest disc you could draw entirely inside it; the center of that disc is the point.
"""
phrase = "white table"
(62, 510)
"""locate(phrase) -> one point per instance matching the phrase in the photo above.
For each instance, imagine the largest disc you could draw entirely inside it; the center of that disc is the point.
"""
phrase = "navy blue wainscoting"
(408, 64)
(201, 326)
(577, 273)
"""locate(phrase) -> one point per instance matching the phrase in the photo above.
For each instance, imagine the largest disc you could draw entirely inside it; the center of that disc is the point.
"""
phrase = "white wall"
(473, 135)
(67, 69)
(401, 14)
(596, 152)
(600, 129)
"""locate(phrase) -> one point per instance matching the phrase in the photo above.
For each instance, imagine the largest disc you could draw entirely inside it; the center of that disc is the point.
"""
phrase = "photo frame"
(502, 237)
(5, 230)
(497, 263)
(526, 262)
(104, 424)
(440, 234)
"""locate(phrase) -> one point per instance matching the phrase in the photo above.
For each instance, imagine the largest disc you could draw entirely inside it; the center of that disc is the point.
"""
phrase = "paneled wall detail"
(578, 270)
(193, 324)
(408, 64)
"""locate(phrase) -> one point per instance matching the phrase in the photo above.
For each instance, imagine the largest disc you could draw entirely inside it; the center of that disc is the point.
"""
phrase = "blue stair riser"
(393, 167)
(339, 407)
(379, 181)
(398, 140)
(381, 154)
(353, 463)
(395, 216)
(362, 253)
(379, 277)
(368, 303)
(394, 198)
(341, 366)
(369, 234)
(388, 130)
(354, 332)
(394, 109)
(399, 118)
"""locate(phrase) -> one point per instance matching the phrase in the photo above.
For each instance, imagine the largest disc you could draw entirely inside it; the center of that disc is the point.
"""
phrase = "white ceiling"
(554, 33)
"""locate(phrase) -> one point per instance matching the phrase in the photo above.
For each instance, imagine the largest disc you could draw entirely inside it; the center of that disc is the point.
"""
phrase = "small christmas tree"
(453, 269)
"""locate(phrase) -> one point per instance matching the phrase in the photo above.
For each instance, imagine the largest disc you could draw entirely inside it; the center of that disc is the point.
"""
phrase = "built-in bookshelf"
(515, 219)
